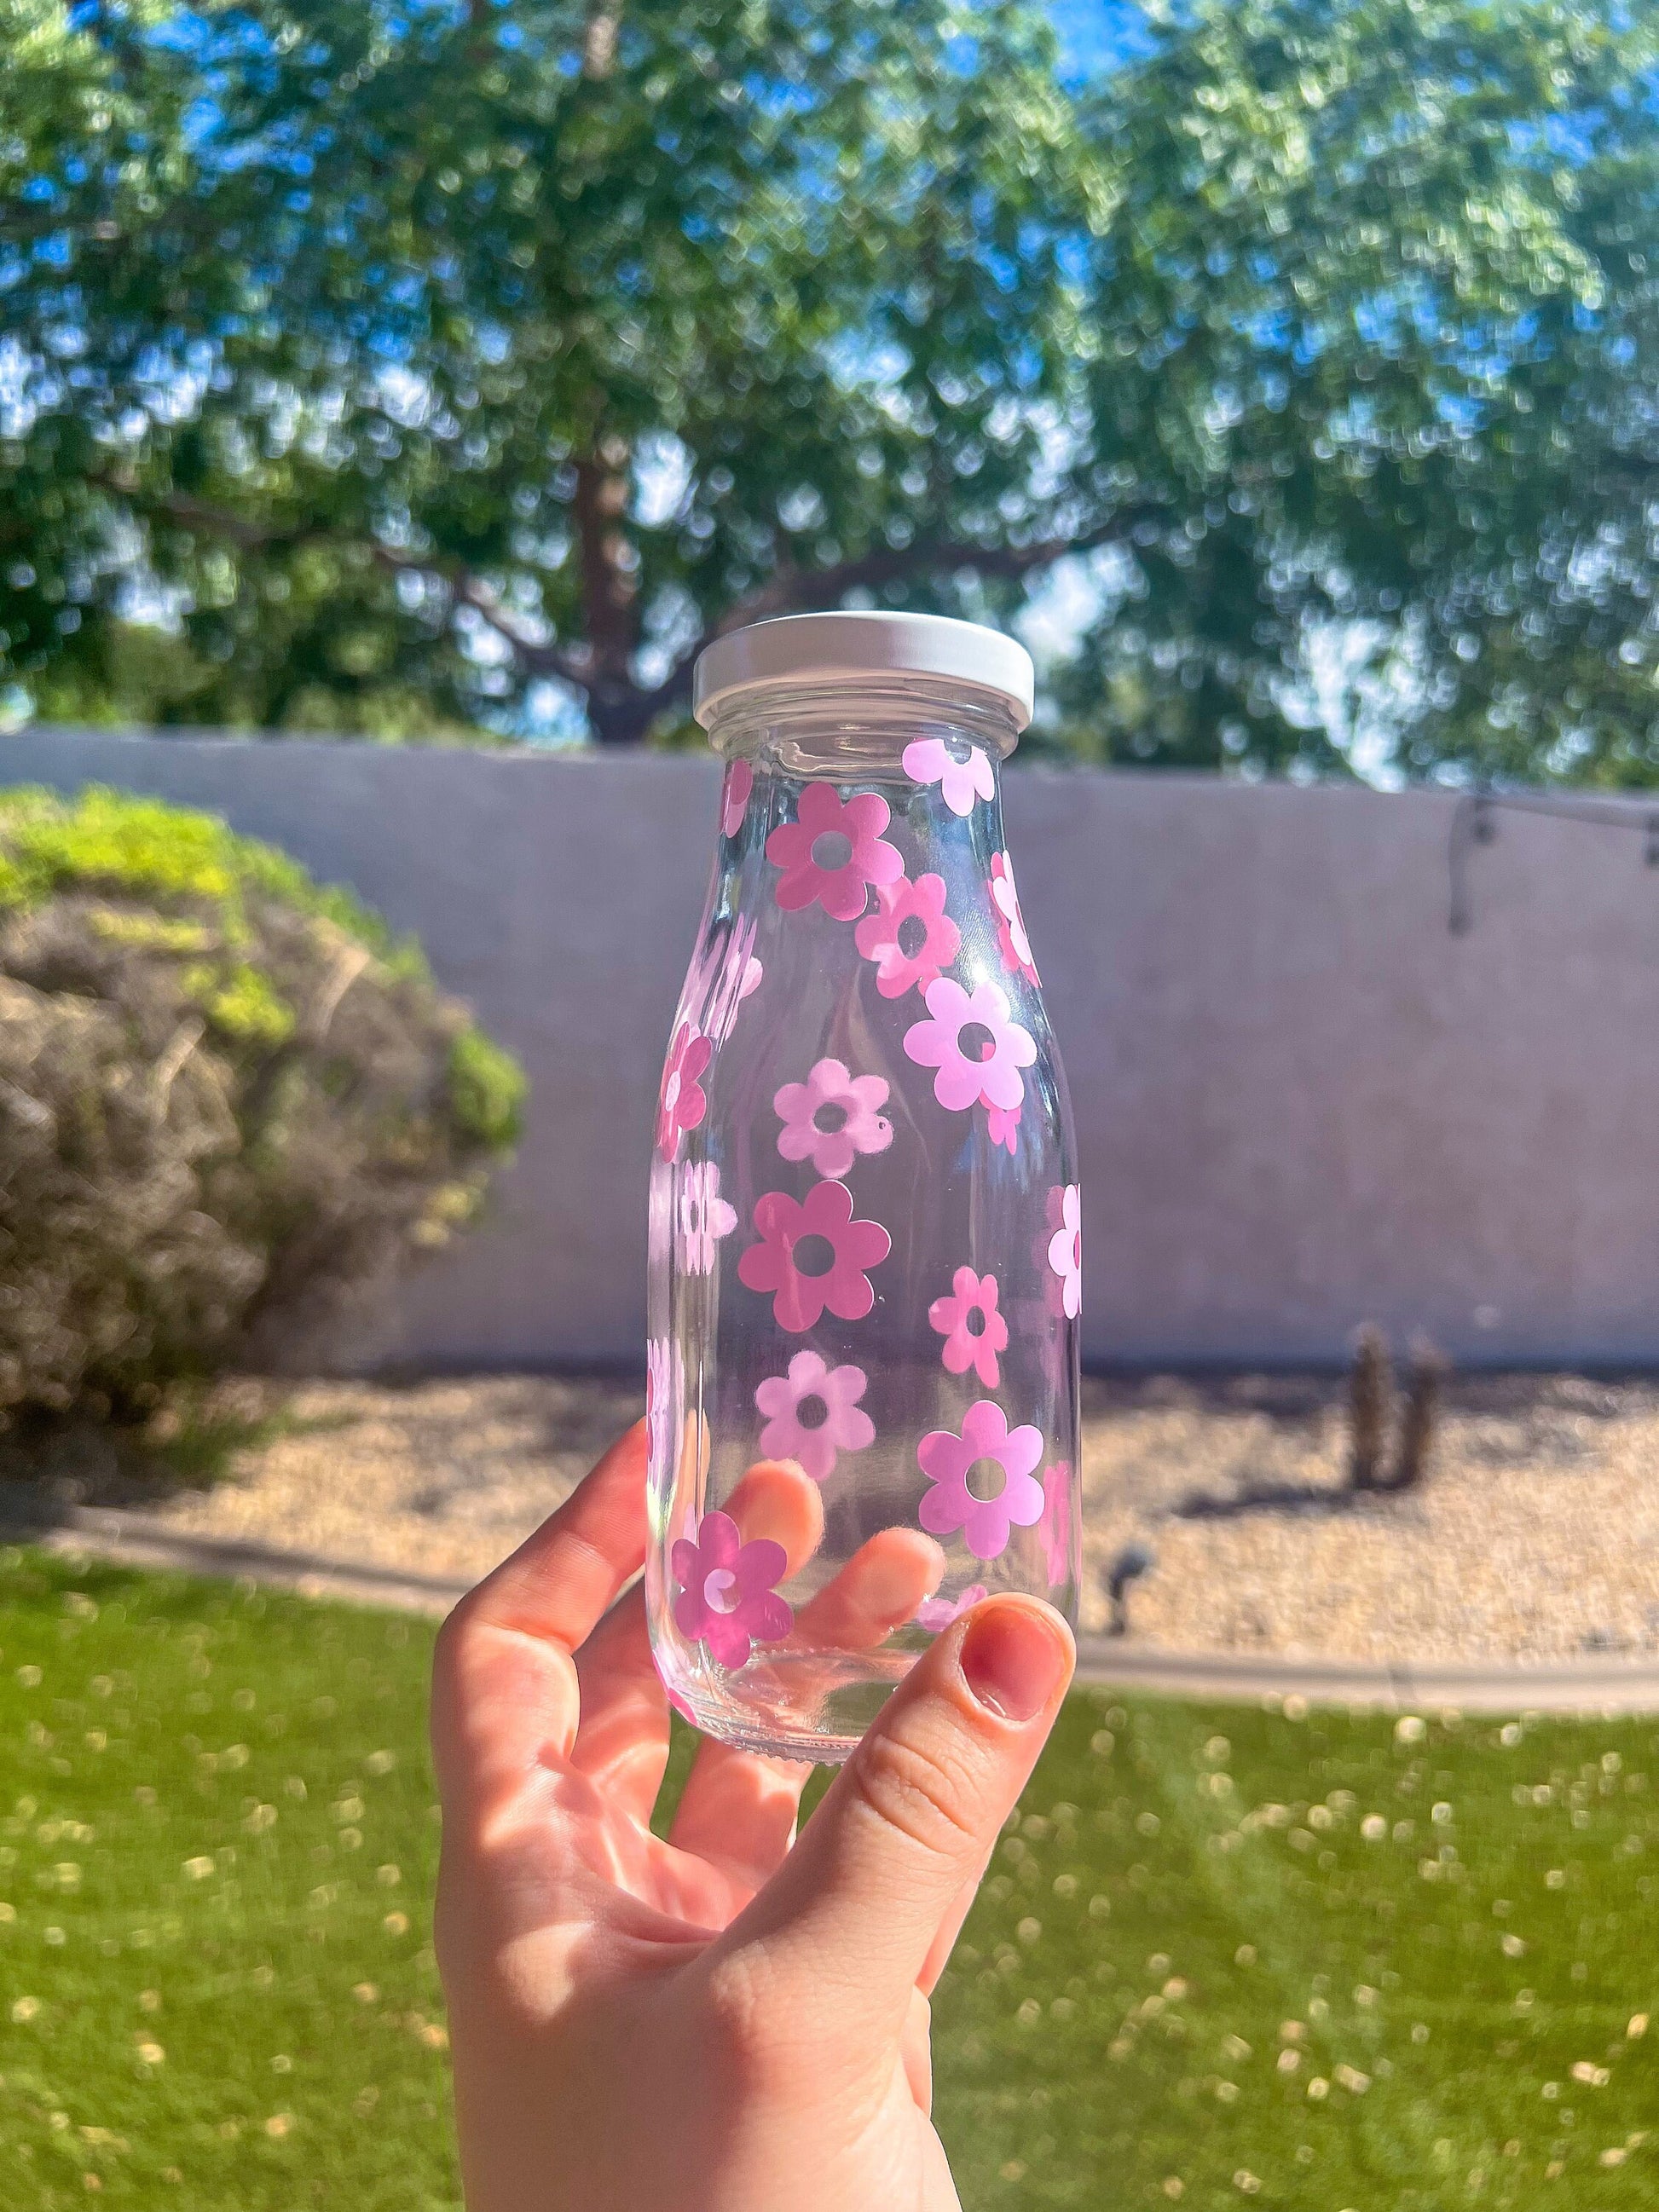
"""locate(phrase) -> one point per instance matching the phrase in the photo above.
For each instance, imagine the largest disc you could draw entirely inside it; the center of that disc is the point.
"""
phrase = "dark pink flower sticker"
(822, 1221)
(728, 1599)
(1002, 1121)
(909, 936)
(833, 852)
(681, 1104)
(973, 1331)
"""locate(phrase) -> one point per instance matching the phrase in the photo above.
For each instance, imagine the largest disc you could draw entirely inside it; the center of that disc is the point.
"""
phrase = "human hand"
(719, 2022)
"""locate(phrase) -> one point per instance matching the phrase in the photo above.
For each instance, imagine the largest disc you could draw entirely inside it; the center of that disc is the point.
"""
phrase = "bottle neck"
(857, 732)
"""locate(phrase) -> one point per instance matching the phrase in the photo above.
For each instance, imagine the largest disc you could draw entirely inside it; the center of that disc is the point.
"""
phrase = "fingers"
(622, 1736)
(504, 1694)
(877, 1591)
(738, 1811)
(852, 1915)
(945, 1936)
(560, 1580)
(776, 1499)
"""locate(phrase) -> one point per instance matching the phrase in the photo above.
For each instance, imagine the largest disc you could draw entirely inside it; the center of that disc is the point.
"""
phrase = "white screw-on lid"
(834, 648)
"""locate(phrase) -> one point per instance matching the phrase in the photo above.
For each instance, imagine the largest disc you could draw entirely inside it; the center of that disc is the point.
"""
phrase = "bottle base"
(809, 1706)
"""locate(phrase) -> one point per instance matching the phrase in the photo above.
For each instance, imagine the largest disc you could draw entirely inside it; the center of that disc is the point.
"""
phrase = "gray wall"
(1301, 1102)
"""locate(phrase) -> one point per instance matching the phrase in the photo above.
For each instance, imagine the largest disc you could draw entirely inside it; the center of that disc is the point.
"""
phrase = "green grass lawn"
(1317, 1960)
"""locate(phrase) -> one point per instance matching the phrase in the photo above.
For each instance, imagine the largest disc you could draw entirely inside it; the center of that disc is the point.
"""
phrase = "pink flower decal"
(966, 1346)
(833, 852)
(1065, 1250)
(1011, 923)
(1003, 1124)
(909, 936)
(937, 1613)
(1056, 1529)
(682, 1104)
(930, 760)
(660, 1360)
(844, 1425)
(948, 1459)
(988, 1065)
(734, 799)
(783, 1224)
(728, 1599)
(705, 1217)
(853, 1125)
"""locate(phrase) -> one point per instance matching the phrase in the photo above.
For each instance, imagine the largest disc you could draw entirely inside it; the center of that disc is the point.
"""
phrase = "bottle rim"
(825, 650)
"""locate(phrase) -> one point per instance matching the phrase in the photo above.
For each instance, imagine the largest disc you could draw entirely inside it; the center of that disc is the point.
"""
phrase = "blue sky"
(1096, 34)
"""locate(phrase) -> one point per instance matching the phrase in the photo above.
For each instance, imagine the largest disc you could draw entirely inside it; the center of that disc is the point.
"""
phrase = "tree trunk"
(616, 704)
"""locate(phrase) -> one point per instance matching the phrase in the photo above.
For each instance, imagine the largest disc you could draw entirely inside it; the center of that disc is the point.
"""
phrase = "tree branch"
(802, 591)
(628, 707)
(535, 655)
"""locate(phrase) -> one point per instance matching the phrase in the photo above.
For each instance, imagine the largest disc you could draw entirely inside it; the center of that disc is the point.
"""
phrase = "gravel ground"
(1534, 1537)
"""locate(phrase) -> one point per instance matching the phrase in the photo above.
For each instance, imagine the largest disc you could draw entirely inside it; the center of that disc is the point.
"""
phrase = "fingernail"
(1013, 1660)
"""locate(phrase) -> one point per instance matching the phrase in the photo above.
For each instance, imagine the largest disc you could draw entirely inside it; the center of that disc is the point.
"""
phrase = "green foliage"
(418, 362)
(204, 1785)
(230, 1102)
(219, 1844)
(487, 1089)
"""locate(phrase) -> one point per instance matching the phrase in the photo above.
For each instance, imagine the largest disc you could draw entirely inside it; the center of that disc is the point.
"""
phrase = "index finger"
(504, 1693)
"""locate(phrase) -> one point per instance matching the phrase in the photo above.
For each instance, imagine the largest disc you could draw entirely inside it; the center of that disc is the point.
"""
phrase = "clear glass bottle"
(865, 1261)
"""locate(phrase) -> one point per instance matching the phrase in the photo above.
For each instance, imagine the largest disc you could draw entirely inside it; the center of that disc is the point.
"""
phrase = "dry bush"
(231, 1102)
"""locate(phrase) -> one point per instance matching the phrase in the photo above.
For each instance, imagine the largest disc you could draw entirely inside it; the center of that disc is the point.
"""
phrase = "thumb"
(913, 1813)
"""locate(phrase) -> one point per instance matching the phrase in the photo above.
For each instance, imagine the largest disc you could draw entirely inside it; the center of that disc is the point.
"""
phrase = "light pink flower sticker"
(833, 852)
(661, 1359)
(681, 1104)
(1065, 1250)
(783, 1224)
(973, 1331)
(734, 799)
(728, 1599)
(842, 1425)
(831, 1118)
(948, 1459)
(1011, 923)
(1056, 1529)
(909, 936)
(704, 1215)
(986, 1066)
(1004, 1125)
(937, 1613)
(930, 760)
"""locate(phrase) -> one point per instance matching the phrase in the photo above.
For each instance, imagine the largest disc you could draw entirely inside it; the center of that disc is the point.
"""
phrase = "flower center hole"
(986, 1480)
(975, 1321)
(912, 935)
(829, 1119)
(812, 1411)
(833, 849)
(814, 1255)
(719, 1589)
(975, 1042)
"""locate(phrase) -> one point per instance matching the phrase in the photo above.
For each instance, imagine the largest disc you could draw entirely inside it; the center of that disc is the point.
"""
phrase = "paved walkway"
(1586, 1686)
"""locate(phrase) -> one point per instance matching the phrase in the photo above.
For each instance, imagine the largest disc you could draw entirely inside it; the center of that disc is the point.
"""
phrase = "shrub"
(231, 1102)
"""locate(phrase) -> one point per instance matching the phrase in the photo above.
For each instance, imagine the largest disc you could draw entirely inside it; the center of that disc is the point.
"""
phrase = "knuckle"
(920, 1792)
(742, 2019)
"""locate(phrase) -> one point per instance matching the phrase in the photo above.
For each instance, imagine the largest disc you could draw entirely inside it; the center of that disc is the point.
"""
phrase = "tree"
(418, 359)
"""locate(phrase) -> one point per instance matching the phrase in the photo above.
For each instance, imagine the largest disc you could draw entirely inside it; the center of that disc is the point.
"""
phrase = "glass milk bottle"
(864, 1258)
